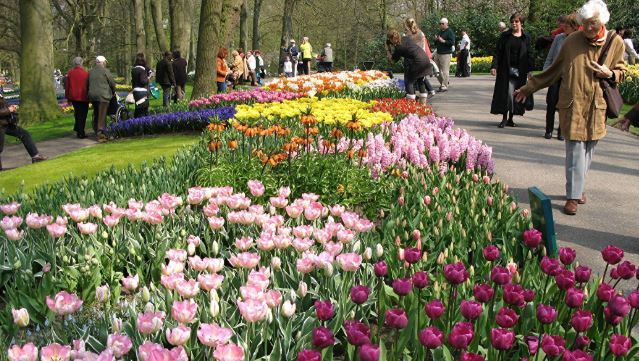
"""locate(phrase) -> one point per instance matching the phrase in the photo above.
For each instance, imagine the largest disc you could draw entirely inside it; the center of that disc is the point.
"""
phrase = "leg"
(24, 137)
(409, 85)
(102, 112)
(96, 115)
(551, 107)
(445, 70)
(576, 164)
(439, 66)
(166, 95)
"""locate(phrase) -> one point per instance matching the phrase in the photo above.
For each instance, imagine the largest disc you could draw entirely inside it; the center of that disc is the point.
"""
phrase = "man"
(294, 52)
(327, 55)
(260, 72)
(445, 42)
(75, 90)
(463, 57)
(101, 91)
(165, 77)
(9, 125)
(502, 26)
(179, 71)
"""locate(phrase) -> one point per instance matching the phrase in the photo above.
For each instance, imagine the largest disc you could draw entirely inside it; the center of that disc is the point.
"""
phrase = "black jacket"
(139, 77)
(164, 73)
(416, 63)
(179, 70)
(4, 109)
(501, 62)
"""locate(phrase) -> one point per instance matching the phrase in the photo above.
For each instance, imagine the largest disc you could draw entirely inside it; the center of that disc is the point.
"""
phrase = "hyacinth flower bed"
(169, 122)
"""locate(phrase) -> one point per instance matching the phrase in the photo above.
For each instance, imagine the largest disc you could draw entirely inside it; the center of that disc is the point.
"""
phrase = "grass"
(89, 161)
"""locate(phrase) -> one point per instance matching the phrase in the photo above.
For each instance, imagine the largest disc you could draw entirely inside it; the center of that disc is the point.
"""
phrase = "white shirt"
(630, 49)
(288, 66)
(251, 62)
(465, 42)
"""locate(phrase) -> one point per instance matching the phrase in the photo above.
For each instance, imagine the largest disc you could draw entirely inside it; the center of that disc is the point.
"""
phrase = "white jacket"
(251, 63)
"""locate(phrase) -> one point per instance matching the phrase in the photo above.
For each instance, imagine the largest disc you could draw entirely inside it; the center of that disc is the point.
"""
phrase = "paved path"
(14, 155)
(525, 158)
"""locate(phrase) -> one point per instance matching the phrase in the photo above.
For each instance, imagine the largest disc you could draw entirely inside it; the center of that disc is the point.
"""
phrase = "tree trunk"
(127, 49)
(216, 18)
(37, 93)
(384, 16)
(257, 8)
(192, 53)
(180, 14)
(150, 32)
(140, 35)
(532, 10)
(158, 21)
(287, 28)
(243, 27)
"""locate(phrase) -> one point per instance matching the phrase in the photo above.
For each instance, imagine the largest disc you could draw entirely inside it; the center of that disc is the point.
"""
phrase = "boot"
(503, 122)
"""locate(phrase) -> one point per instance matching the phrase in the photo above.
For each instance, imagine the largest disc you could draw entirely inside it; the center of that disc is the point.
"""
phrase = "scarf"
(599, 39)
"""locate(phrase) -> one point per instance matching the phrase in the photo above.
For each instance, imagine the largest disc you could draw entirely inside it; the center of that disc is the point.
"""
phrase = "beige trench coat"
(581, 105)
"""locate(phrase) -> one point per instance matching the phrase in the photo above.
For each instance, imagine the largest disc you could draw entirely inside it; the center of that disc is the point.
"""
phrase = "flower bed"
(242, 97)
(629, 88)
(401, 107)
(324, 83)
(480, 64)
(169, 122)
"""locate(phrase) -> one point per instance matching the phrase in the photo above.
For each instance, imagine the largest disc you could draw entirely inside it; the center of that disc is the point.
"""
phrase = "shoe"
(38, 158)
(442, 89)
(570, 208)
(560, 137)
(502, 124)
(431, 94)
(583, 199)
(81, 136)
(511, 123)
(548, 135)
(101, 137)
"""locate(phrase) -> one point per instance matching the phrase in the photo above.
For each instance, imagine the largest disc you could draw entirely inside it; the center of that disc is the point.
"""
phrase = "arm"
(449, 40)
(498, 51)
(110, 80)
(529, 52)
(547, 77)
(554, 49)
(630, 48)
(4, 109)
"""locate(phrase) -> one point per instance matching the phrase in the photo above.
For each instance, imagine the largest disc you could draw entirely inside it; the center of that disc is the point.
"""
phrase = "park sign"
(541, 212)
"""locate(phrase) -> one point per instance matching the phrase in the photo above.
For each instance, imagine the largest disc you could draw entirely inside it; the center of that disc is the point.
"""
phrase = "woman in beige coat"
(237, 67)
(581, 105)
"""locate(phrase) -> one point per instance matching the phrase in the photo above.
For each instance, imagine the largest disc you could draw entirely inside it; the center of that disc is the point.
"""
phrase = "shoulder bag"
(611, 93)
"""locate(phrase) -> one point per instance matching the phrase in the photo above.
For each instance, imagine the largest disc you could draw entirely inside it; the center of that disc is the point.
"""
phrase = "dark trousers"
(307, 66)
(552, 97)
(166, 95)
(99, 115)
(462, 64)
(23, 135)
(141, 109)
(80, 111)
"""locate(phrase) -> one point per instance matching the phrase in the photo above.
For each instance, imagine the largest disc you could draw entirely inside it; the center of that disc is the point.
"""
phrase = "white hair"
(444, 20)
(502, 25)
(591, 9)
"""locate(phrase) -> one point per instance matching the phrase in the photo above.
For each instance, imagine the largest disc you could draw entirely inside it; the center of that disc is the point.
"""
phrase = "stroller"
(118, 110)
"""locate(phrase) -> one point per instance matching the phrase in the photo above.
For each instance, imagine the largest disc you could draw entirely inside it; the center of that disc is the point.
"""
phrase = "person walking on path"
(630, 54)
(631, 118)
(416, 63)
(418, 37)
(570, 25)
(140, 86)
(179, 71)
(587, 57)
(445, 43)
(511, 64)
(463, 57)
(101, 91)
(307, 54)
(75, 90)
(327, 57)
(165, 77)
(9, 125)
(221, 70)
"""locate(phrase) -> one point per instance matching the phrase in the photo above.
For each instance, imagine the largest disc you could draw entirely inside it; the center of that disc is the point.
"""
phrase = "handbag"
(611, 93)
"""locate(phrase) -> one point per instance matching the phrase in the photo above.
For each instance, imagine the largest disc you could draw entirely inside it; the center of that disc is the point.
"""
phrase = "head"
(100, 61)
(393, 37)
(561, 20)
(176, 54)
(628, 34)
(328, 45)
(77, 61)
(593, 15)
(443, 24)
(516, 22)
(288, 58)
(292, 42)
(305, 39)
(570, 24)
(140, 59)
(464, 33)
(222, 53)
(411, 25)
(167, 55)
(235, 53)
(502, 26)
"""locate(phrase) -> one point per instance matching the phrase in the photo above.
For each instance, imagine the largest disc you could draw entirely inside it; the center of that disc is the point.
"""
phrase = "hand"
(601, 71)
(529, 76)
(623, 124)
(13, 108)
(519, 96)
(493, 72)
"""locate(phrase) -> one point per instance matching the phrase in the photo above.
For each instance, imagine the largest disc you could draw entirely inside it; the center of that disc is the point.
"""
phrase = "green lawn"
(89, 161)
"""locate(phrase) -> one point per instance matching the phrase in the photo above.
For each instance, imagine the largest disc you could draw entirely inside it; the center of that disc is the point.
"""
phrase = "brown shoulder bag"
(610, 88)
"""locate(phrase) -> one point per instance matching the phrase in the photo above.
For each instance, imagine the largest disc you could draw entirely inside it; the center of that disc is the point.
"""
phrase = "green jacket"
(446, 47)
(101, 84)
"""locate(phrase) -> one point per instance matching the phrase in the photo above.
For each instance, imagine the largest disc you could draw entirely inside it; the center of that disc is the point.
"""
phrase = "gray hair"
(591, 9)
(77, 61)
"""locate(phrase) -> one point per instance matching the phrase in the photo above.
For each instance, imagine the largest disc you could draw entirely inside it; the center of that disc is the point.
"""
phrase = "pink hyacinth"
(55, 352)
(184, 311)
(28, 352)
(212, 335)
(229, 352)
(64, 303)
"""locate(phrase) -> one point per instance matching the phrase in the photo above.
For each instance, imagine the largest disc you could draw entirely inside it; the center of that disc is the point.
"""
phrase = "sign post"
(541, 211)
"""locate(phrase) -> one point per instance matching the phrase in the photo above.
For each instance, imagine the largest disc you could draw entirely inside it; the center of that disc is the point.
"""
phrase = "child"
(288, 67)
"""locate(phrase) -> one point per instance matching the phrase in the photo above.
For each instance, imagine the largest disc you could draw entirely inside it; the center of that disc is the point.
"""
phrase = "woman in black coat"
(512, 62)
(140, 84)
(416, 62)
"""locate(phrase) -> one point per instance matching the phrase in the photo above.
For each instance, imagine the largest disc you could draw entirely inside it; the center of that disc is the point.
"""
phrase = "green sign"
(541, 211)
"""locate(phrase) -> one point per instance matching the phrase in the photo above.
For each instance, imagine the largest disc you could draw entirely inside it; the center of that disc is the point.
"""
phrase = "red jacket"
(76, 85)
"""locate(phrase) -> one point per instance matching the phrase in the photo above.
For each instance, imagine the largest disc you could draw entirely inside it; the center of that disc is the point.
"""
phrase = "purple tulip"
(324, 310)
(506, 317)
(402, 286)
(431, 337)
(456, 273)
(501, 338)
(420, 279)
(529, 295)
(359, 294)
(619, 305)
(576, 355)
(500, 275)
(514, 295)
(611, 254)
(491, 253)
(605, 292)
(412, 255)
(368, 352)
(322, 337)
(574, 298)
(434, 309)
(633, 299)
(309, 355)
(533, 344)
(532, 238)
(582, 342)
(626, 270)
(611, 317)
(620, 345)
(567, 255)
(553, 346)
(469, 356)
(550, 266)
(461, 335)
(396, 318)
(483, 292)
(582, 274)
(471, 309)
(380, 269)
(546, 314)
(581, 320)
(357, 333)
(565, 280)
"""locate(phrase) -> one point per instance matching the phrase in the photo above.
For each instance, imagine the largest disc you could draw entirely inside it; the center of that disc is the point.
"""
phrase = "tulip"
(626, 270)
(13, 234)
(633, 299)
(229, 352)
(582, 274)
(502, 339)
(619, 305)
(469, 356)
(102, 293)
(20, 317)
(461, 335)
(550, 266)
(55, 352)
(359, 294)
(28, 352)
(184, 311)
(309, 355)
(582, 342)
(369, 353)
(483, 292)
(611, 254)
(431, 337)
(420, 279)
(611, 317)
(533, 344)
(434, 309)
(567, 255)
(471, 309)
(253, 310)
(402, 286)
(302, 289)
(605, 292)
(546, 314)
(491, 253)
(456, 273)
(119, 344)
(506, 317)
(532, 238)
(130, 283)
(349, 262)
(574, 298)
(553, 346)
(514, 295)
(396, 318)
(581, 320)
(256, 188)
(178, 336)
(288, 309)
(64, 303)
(565, 280)
(577, 355)
(324, 310)
(212, 335)
(412, 255)
(620, 345)
(500, 275)
(150, 322)
(357, 333)
(380, 269)
(322, 337)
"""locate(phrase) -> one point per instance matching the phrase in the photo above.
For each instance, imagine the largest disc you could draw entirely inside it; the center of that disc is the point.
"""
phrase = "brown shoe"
(583, 199)
(571, 207)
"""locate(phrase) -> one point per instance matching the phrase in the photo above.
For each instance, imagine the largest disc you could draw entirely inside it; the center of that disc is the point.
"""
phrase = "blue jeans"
(221, 86)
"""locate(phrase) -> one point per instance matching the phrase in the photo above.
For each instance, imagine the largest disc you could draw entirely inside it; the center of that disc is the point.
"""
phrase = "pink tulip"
(10, 222)
(55, 352)
(20, 317)
(216, 222)
(119, 344)
(87, 228)
(253, 310)
(256, 187)
(28, 352)
(150, 322)
(245, 260)
(56, 230)
(10, 209)
(13, 234)
(214, 265)
(64, 303)
(349, 262)
(187, 289)
(212, 335)
(210, 281)
(130, 283)
(229, 352)
(35, 221)
(178, 336)
(273, 298)
(184, 311)
(147, 348)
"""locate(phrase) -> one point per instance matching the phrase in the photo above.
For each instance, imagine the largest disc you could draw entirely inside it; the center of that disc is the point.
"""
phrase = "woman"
(569, 25)
(75, 91)
(307, 55)
(582, 107)
(418, 37)
(238, 67)
(140, 84)
(416, 63)
(222, 70)
(511, 64)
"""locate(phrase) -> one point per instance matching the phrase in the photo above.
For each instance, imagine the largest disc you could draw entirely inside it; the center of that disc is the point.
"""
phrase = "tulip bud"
(215, 248)
(214, 295)
(116, 325)
(20, 317)
(425, 256)
(146, 296)
(368, 253)
(328, 270)
(288, 309)
(302, 289)
(471, 271)
(379, 250)
(190, 249)
(446, 252)
(441, 258)
(149, 307)
(214, 308)
(105, 234)
(102, 294)
(356, 246)
(276, 263)
(269, 315)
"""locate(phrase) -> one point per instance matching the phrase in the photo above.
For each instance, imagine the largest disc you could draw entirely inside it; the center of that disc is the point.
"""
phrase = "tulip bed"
(308, 236)
(629, 88)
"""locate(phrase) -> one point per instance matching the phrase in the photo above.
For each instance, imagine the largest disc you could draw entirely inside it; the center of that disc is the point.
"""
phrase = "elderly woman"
(581, 105)
(416, 63)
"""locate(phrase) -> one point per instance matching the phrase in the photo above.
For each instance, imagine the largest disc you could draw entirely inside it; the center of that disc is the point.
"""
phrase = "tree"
(179, 13)
(243, 26)
(257, 8)
(37, 93)
(158, 21)
(216, 18)
(140, 34)
(80, 18)
(287, 26)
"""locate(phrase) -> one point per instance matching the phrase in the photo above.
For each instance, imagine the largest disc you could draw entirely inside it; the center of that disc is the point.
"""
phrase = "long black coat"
(179, 71)
(501, 61)
(164, 73)
(416, 63)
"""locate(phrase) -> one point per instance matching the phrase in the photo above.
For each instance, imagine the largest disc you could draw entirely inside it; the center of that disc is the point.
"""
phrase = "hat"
(100, 59)
(292, 40)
